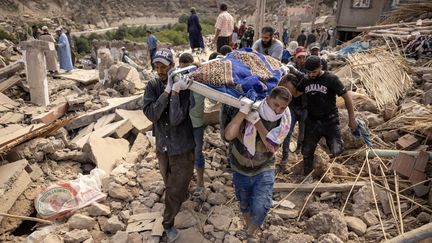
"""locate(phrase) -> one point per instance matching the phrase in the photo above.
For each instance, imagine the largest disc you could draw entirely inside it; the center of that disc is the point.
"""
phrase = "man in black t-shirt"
(321, 89)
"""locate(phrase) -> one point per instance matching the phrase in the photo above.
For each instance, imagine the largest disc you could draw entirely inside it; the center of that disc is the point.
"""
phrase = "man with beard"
(321, 88)
(167, 106)
(268, 45)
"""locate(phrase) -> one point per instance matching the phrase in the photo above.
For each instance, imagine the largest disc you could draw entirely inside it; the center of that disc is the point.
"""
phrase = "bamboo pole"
(43, 221)
(398, 201)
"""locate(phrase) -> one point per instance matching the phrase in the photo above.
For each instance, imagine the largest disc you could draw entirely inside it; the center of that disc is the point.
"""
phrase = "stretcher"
(209, 92)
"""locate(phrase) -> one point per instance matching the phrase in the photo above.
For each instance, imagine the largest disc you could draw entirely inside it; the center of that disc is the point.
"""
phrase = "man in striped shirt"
(224, 27)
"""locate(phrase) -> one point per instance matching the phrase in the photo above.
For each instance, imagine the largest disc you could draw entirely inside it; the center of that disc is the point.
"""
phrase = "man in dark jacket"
(167, 105)
(194, 31)
(301, 39)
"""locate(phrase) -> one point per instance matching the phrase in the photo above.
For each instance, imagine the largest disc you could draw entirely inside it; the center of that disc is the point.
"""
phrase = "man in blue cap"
(167, 106)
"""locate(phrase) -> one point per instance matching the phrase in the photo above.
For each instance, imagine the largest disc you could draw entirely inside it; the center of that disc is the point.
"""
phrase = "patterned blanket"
(240, 73)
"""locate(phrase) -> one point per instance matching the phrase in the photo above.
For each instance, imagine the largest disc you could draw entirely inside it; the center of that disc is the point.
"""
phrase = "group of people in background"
(63, 56)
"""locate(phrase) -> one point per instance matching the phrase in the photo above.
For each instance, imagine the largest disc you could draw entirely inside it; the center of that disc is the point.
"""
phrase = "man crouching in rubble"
(167, 105)
(254, 137)
(321, 88)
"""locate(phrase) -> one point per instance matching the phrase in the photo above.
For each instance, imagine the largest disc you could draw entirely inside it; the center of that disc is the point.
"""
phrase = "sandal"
(198, 191)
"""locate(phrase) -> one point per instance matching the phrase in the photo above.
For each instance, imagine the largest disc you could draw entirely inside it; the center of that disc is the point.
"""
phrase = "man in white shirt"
(224, 27)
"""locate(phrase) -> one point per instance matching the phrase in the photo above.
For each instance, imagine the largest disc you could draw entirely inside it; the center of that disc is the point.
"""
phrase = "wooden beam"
(322, 187)
(11, 69)
(7, 83)
(387, 26)
(413, 236)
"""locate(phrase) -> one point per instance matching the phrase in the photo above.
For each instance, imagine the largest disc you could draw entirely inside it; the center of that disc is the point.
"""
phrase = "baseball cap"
(44, 27)
(314, 46)
(163, 55)
(300, 51)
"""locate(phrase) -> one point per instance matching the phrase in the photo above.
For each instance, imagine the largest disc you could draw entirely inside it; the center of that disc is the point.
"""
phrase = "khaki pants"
(176, 172)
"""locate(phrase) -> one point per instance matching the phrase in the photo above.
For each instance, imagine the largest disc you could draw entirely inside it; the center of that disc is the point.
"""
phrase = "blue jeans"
(297, 115)
(198, 133)
(255, 194)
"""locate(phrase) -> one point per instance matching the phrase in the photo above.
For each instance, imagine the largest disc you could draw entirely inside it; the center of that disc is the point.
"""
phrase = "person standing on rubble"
(268, 45)
(297, 105)
(321, 88)
(314, 50)
(35, 32)
(152, 45)
(50, 55)
(311, 38)
(194, 31)
(167, 106)
(64, 51)
(197, 115)
(301, 39)
(252, 156)
(224, 27)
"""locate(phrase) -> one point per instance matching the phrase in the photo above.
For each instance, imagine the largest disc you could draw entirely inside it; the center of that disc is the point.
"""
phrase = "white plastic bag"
(64, 197)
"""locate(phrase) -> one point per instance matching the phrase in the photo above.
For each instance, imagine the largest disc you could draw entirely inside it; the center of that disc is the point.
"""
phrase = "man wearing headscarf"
(50, 55)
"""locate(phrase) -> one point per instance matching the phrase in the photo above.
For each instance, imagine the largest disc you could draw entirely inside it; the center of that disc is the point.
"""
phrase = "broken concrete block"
(140, 145)
(11, 118)
(184, 219)
(124, 127)
(104, 152)
(105, 120)
(52, 115)
(14, 180)
(120, 237)
(216, 198)
(138, 119)
(407, 141)
(403, 164)
(356, 225)
(80, 221)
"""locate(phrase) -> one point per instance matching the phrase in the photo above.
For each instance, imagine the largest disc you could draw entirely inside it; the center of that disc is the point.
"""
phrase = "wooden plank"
(11, 69)
(7, 83)
(19, 133)
(322, 187)
(52, 115)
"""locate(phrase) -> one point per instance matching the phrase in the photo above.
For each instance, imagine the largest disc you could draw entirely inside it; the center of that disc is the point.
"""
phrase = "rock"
(148, 201)
(77, 236)
(53, 238)
(119, 192)
(223, 210)
(389, 111)
(191, 235)
(315, 208)
(356, 225)
(120, 237)
(390, 136)
(287, 213)
(208, 228)
(231, 239)
(104, 152)
(297, 238)
(373, 119)
(69, 155)
(370, 219)
(423, 217)
(220, 222)
(184, 219)
(330, 221)
(97, 209)
(112, 225)
(217, 186)
(362, 200)
(427, 98)
(80, 221)
(329, 238)
(216, 198)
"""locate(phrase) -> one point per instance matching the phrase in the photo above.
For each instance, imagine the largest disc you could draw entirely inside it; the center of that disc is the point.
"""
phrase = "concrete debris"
(356, 225)
(80, 221)
(331, 221)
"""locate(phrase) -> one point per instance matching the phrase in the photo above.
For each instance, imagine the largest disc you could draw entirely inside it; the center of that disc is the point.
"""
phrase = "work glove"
(291, 68)
(253, 117)
(245, 105)
(182, 84)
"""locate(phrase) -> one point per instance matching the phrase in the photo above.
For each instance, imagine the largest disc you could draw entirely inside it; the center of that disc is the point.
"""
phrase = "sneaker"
(171, 234)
